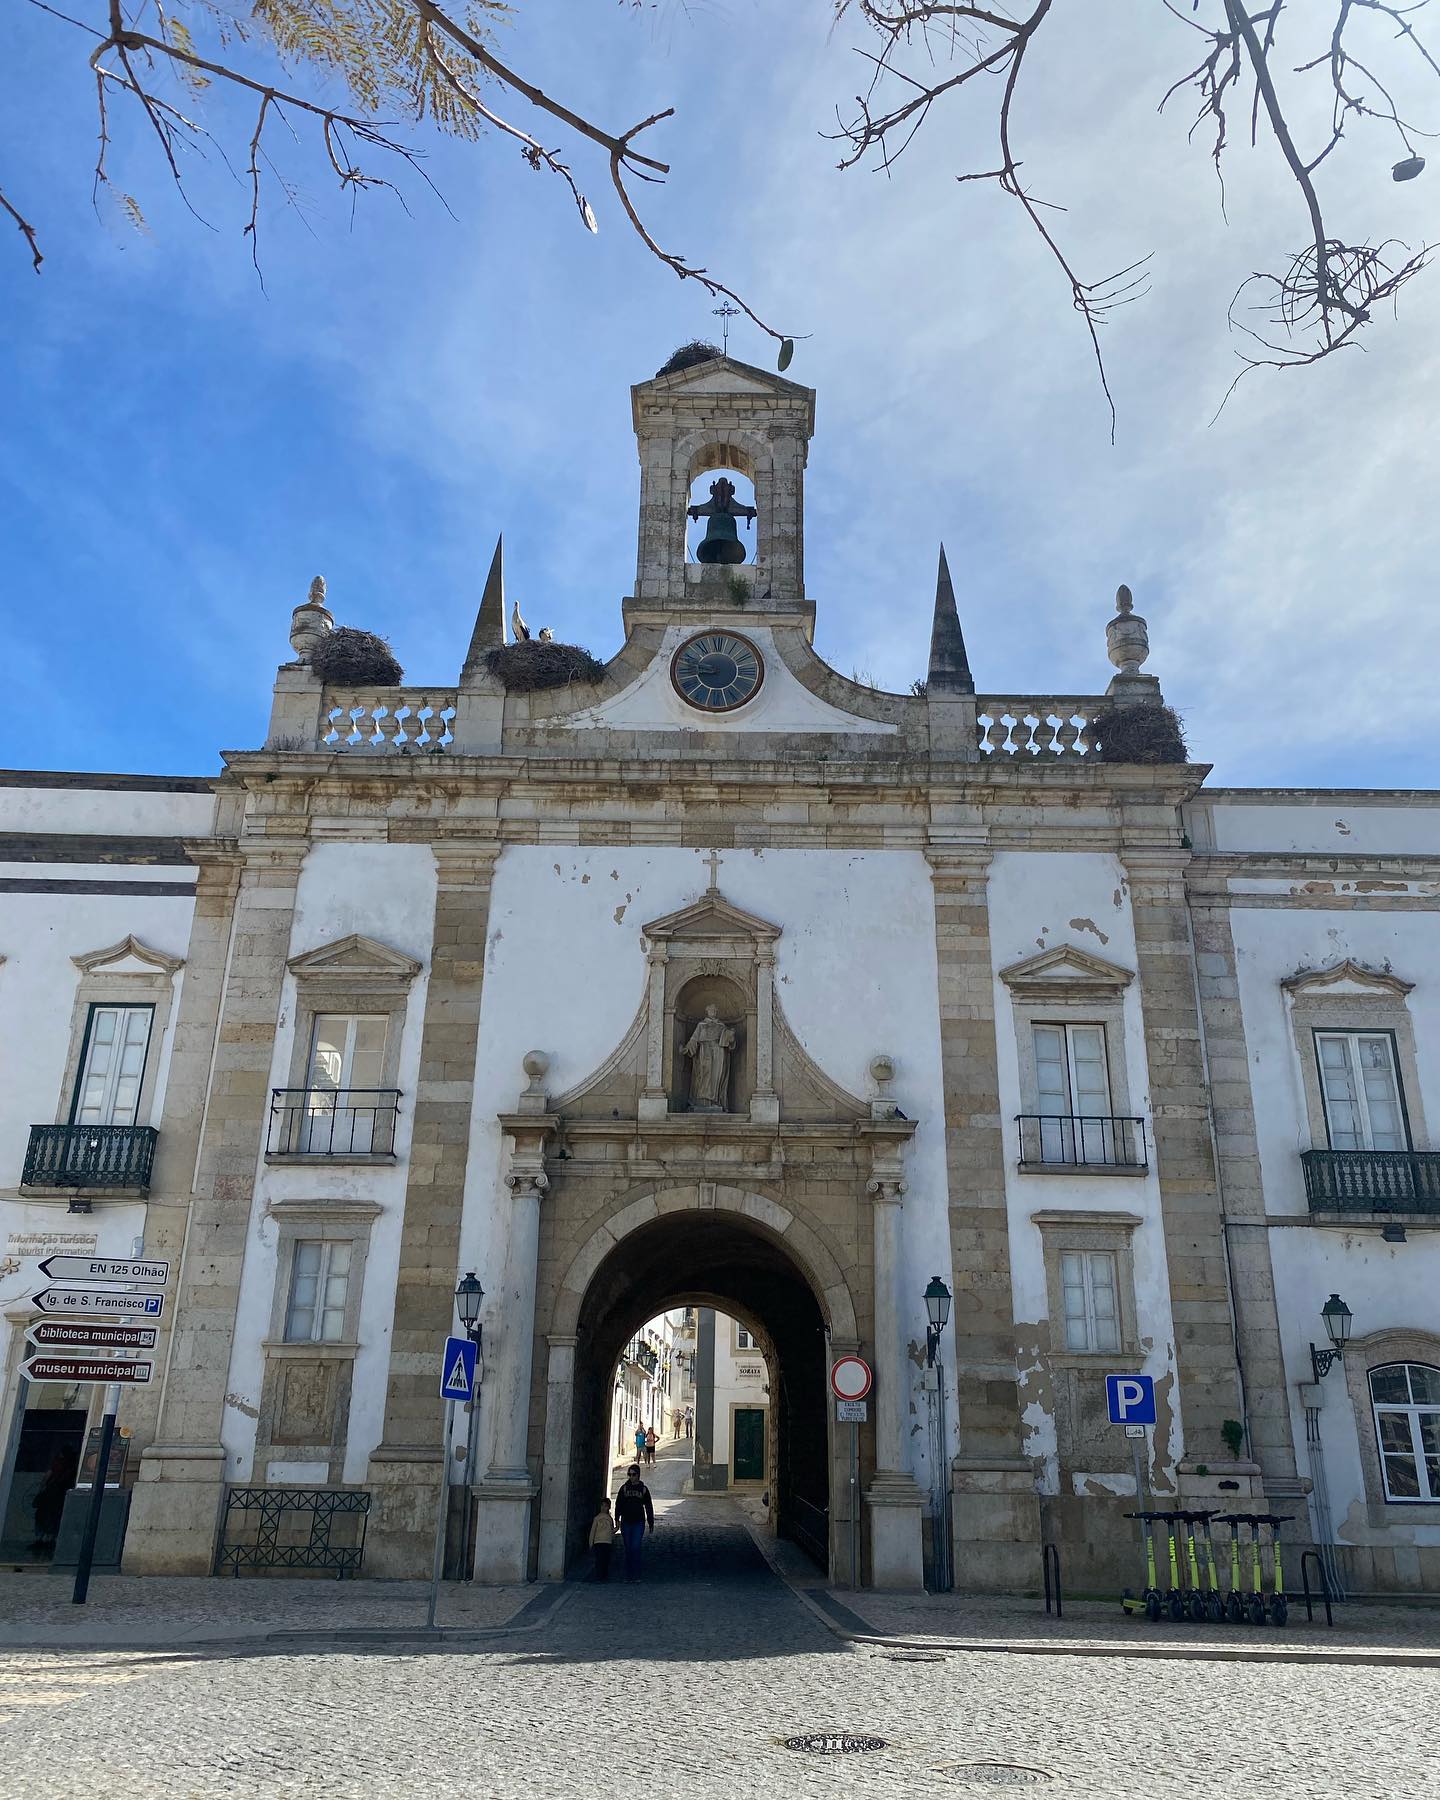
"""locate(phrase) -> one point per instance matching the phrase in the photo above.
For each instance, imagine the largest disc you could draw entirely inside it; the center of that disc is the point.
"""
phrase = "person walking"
(651, 1440)
(634, 1510)
(640, 1443)
(602, 1539)
(689, 1423)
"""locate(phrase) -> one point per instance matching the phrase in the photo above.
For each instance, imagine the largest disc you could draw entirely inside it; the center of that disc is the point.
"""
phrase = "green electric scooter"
(1151, 1602)
(1235, 1599)
(1214, 1600)
(1254, 1604)
(1279, 1607)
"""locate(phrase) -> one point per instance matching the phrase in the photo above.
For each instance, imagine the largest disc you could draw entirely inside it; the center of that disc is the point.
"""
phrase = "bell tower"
(721, 414)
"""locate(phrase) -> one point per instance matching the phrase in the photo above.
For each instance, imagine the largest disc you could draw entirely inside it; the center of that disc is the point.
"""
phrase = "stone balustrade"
(387, 718)
(1053, 726)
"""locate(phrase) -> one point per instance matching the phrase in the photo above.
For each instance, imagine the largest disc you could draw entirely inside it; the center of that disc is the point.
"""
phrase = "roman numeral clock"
(717, 671)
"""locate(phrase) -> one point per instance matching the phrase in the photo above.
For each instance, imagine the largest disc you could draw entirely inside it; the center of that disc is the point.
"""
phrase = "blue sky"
(181, 451)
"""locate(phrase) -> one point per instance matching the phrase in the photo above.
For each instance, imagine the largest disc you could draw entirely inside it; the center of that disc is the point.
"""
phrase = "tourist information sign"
(105, 1268)
(99, 1300)
(91, 1334)
(95, 1368)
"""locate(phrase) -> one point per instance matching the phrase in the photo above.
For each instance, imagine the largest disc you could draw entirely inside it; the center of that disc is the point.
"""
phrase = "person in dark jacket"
(634, 1510)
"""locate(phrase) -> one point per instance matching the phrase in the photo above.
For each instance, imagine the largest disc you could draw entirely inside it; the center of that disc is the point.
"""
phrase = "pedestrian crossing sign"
(457, 1369)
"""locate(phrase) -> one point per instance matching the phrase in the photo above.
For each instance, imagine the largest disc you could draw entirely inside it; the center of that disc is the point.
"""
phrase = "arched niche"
(708, 464)
(734, 1002)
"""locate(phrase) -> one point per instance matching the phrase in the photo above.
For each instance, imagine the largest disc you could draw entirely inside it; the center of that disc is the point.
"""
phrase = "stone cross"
(713, 860)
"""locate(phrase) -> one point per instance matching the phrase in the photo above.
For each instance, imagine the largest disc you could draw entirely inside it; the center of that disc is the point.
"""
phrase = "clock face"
(717, 671)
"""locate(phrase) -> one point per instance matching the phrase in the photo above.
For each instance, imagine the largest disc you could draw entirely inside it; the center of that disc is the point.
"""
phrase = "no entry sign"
(850, 1378)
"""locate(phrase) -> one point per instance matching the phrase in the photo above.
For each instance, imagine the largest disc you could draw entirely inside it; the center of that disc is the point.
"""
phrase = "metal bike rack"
(1314, 1556)
(1049, 1555)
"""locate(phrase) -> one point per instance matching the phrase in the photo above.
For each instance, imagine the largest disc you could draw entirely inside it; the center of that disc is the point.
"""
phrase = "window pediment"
(355, 962)
(710, 917)
(128, 957)
(1348, 977)
(1066, 973)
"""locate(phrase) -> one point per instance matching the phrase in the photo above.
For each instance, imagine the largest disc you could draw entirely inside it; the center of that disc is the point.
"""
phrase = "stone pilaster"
(995, 1507)
(893, 1497)
(175, 1509)
(1242, 1195)
(1193, 1218)
(406, 1466)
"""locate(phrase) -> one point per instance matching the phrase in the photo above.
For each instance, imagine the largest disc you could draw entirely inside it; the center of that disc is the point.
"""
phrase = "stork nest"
(530, 665)
(1138, 734)
(346, 657)
(696, 351)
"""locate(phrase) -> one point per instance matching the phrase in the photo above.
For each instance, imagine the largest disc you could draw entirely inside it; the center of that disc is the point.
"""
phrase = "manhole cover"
(834, 1743)
(997, 1774)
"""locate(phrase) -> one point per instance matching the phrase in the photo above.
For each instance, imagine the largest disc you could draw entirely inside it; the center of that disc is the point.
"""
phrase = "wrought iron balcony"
(340, 1122)
(89, 1156)
(1378, 1181)
(1068, 1140)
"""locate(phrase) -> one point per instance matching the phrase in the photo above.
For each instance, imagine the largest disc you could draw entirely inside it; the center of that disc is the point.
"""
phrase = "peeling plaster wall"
(386, 892)
(1271, 943)
(1343, 822)
(1039, 900)
(855, 974)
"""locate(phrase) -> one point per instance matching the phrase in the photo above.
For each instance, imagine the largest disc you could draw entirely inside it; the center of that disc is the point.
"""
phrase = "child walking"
(602, 1539)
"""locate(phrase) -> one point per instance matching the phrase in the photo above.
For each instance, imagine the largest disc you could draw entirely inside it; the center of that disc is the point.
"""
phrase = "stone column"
(1210, 1388)
(175, 1508)
(559, 1428)
(502, 1531)
(893, 1497)
(995, 1507)
(406, 1466)
(1242, 1194)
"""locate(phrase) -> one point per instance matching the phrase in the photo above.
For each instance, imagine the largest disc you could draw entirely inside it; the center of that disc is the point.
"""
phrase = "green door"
(749, 1462)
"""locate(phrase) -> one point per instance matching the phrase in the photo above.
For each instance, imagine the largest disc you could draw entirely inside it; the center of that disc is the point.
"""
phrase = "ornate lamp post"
(1337, 1317)
(937, 1312)
(468, 1296)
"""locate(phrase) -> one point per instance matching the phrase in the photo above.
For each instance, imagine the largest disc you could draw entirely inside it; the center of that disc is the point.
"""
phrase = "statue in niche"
(721, 543)
(709, 1049)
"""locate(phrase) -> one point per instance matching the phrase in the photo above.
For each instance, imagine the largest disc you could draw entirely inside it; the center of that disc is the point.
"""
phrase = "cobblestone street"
(690, 1680)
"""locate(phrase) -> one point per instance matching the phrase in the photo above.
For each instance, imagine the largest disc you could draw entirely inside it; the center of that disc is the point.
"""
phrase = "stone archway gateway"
(710, 1246)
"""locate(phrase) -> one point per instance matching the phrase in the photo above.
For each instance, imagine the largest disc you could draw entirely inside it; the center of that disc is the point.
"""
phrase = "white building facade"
(719, 981)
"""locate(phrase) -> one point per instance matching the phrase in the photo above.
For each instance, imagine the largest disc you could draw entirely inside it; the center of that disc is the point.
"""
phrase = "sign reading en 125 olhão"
(105, 1268)
(457, 1369)
(99, 1300)
(90, 1368)
(1131, 1399)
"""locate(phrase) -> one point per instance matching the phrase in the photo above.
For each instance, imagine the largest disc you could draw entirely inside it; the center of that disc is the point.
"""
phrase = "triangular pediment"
(1069, 968)
(711, 916)
(356, 957)
(1347, 977)
(721, 375)
(128, 957)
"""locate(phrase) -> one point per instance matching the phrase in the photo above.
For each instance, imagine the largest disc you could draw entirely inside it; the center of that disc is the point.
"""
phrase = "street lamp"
(468, 1296)
(1337, 1317)
(937, 1306)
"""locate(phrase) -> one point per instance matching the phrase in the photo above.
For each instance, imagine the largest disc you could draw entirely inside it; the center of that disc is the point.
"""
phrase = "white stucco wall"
(741, 1379)
(386, 892)
(1040, 900)
(1272, 943)
(1341, 822)
(650, 702)
(1386, 1286)
(112, 812)
(855, 975)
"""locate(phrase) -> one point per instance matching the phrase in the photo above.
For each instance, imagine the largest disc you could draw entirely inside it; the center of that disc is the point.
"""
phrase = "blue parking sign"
(1131, 1399)
(457, 1369)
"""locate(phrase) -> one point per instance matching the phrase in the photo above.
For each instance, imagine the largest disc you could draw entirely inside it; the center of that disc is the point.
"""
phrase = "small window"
(319, 1282)
(1361, 1090)
(347, 1051)
(108, 1089)
(342, 1106)
(743, 1339)
(1406, 1401)
(1089, 1287)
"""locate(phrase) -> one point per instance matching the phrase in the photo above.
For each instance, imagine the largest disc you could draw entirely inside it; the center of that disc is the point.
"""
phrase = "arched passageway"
(728, 1262)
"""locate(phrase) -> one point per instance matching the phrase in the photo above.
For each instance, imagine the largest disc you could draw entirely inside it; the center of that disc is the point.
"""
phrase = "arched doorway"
(723, 1257)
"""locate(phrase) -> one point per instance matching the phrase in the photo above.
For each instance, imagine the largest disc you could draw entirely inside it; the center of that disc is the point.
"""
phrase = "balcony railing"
(89, 1156)
(1061, 1140)
(1372, 1180)
(332, 1121)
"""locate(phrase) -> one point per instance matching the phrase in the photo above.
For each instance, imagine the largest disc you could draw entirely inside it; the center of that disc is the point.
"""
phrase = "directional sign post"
(91, 1368)
(110, 1301)
(851, 1379)
(105, 1268)
(457, 1382)
(88, 1335)
(1131, 1403)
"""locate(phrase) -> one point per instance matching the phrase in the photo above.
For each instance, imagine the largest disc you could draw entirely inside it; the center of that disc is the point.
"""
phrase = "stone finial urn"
(309, 623)
(1127, 639)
